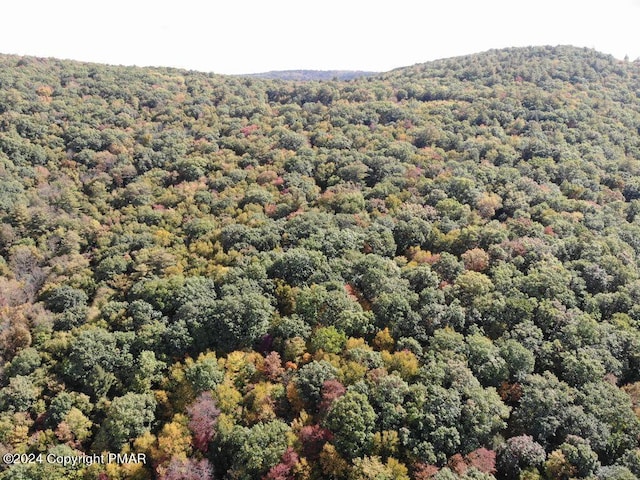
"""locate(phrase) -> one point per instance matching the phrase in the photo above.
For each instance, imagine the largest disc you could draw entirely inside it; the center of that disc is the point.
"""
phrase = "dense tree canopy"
(427, 273)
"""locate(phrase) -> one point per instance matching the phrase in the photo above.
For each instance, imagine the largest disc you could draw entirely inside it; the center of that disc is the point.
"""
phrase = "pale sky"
(249, 36)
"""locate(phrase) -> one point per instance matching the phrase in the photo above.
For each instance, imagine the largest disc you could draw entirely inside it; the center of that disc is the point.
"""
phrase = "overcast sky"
(247, 36)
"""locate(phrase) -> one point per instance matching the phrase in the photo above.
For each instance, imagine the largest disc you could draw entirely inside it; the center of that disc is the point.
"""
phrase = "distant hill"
(310, 75)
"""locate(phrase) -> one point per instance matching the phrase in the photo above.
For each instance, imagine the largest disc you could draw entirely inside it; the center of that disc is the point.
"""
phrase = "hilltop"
(427, 271)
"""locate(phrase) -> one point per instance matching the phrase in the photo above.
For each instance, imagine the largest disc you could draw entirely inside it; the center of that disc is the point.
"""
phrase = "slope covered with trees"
(428, 273)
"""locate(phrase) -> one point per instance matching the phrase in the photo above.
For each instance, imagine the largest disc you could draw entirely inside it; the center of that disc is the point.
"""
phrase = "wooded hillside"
(427, 273)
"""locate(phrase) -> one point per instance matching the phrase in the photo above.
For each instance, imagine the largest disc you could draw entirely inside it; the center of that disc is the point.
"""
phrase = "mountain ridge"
(331, 74)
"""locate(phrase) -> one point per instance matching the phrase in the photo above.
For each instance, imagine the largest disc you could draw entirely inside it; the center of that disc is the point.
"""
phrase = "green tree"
(20, 395)
(94, 358)
(204, 374)
(300, 267)
(229, 323)
(128, 417)
(517, 455)
(255, 450)
(545, 408)
(486, 361)
(328, 339)
(352, 421)
(608, 422)
(387, 395)
(310, 378)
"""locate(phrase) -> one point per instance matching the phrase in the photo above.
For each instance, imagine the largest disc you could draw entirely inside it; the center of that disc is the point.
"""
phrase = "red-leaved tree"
(187, 469)
(203, 416)
(482, 459)
(331, 390)
(285, 469)
(313, 438)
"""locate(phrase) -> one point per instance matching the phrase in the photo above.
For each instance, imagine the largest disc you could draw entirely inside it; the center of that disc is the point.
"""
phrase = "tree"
(75, 428)
(287, 468)
(482, 459)
(615, 472)
(372, 275)
(545, 408)
(558, 467)
(520, 361)
(332, 464)
(64, 402)
(471, 285)
(203, 415)
(331, 304)
(255, 450)
(631, 460)
(128, 417)
(261, 401)
(606, 421)
(372, 468)
(574, 457)
(272, 367)
(519, 454)
(485, 360)
(328, 339)
(227, 324)
(351, 419)
(19, 395)
(331, 390)
(410, 230)
(387, 396)
(204, 374)
(174, 440)
(313, 438)
(299, 267)
(64, 297)
(148, 372)
(475, 259)
(483, 415)
(581, 367)
(187, 469)
(93, 359)
(392, 308)
(475, 220)
(310, 379)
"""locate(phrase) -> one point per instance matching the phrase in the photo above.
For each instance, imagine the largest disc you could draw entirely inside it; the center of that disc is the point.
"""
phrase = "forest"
(428, 273)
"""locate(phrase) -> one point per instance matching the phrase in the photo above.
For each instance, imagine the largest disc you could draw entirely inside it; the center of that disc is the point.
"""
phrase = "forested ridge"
(430, 273)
